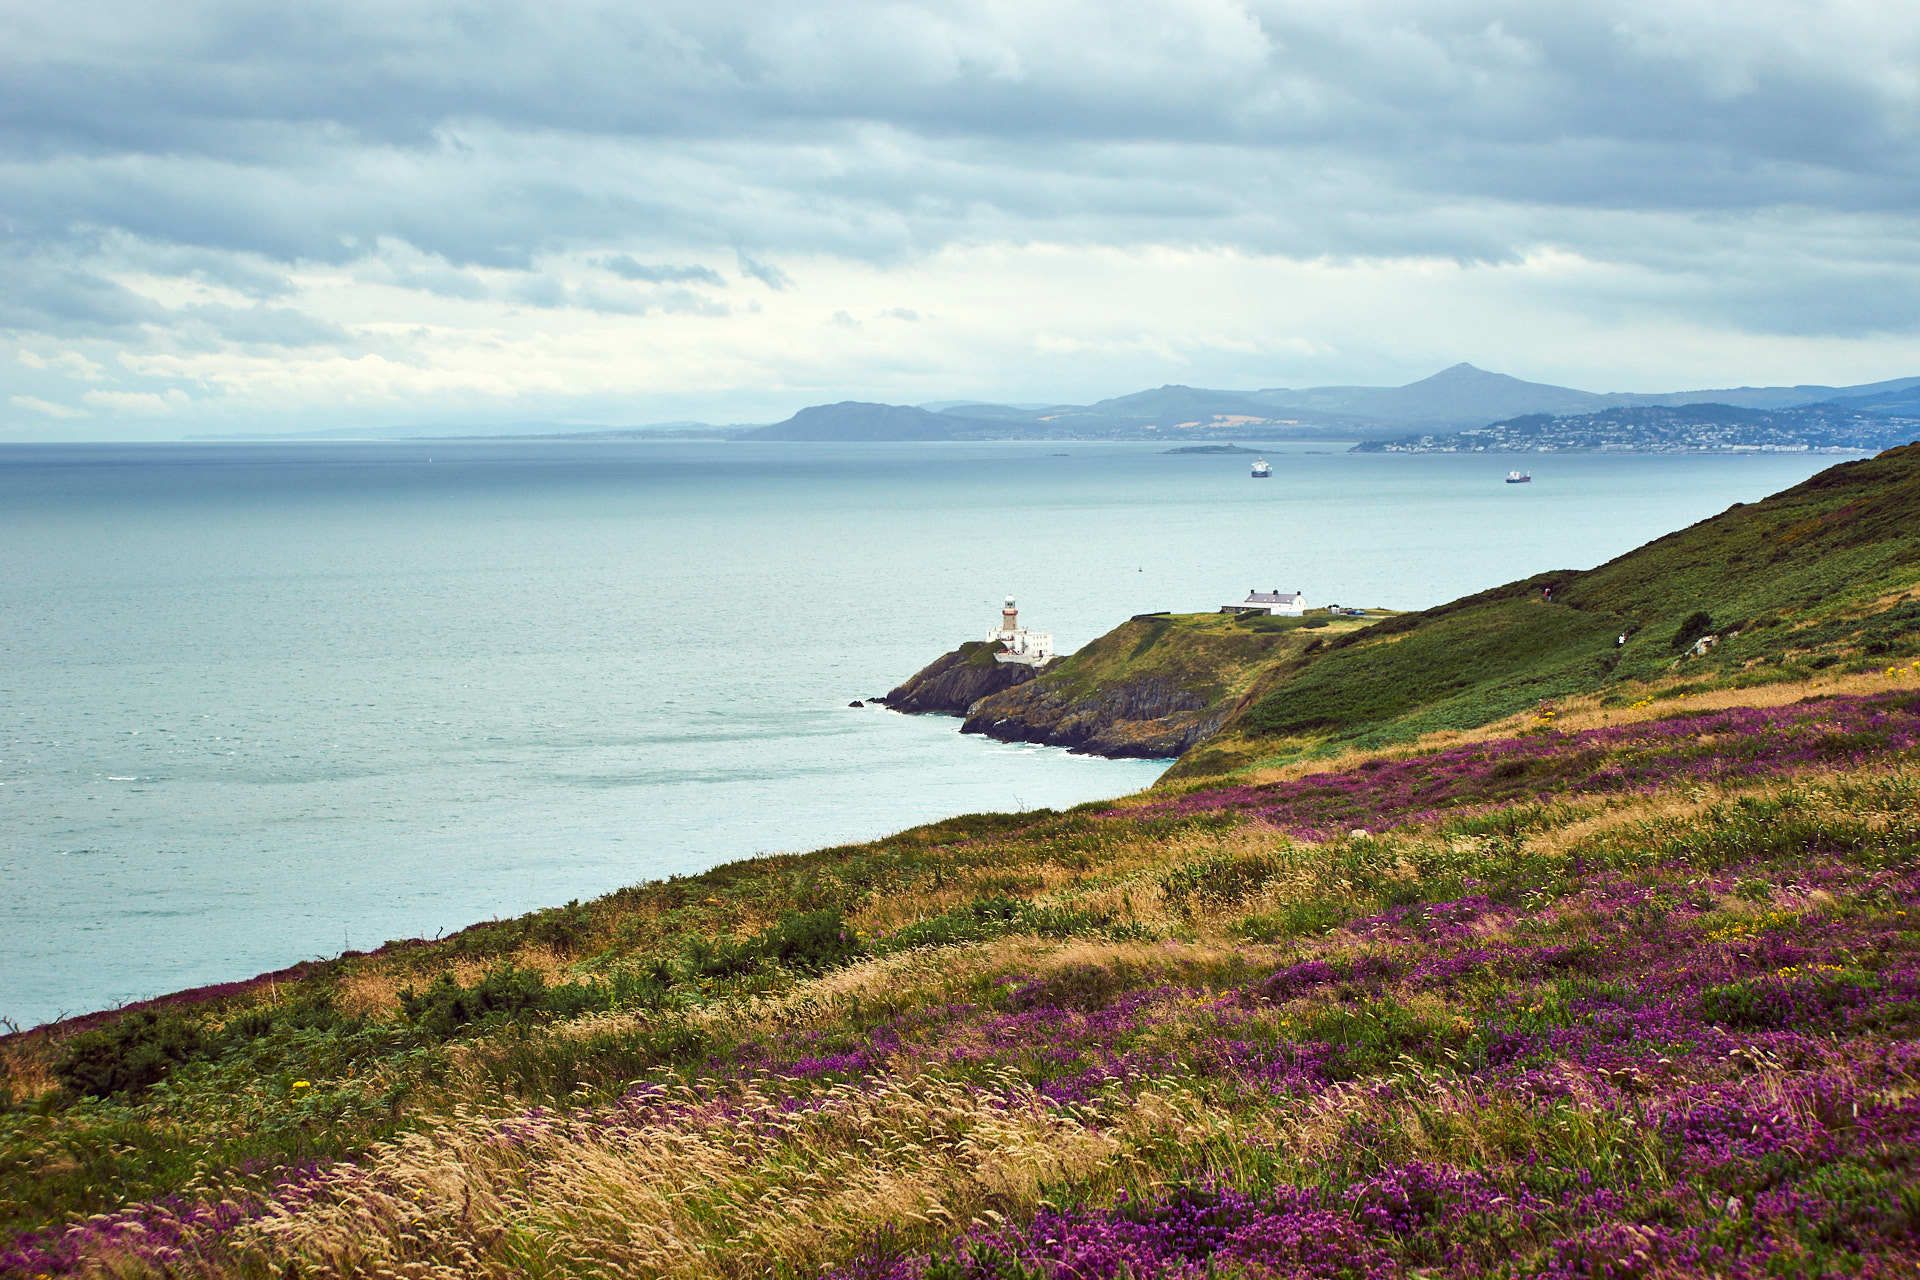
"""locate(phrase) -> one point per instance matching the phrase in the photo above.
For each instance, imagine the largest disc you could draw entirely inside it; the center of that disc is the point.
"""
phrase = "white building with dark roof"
(1289, 604)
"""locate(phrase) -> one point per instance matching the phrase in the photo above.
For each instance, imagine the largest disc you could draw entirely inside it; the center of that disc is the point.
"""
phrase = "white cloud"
(45, 408)
(139, 402)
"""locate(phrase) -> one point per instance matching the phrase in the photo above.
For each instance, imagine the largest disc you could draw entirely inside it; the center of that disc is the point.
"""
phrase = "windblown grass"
(1659, 1021)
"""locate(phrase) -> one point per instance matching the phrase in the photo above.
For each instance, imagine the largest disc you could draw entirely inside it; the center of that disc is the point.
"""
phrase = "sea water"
(261, 703)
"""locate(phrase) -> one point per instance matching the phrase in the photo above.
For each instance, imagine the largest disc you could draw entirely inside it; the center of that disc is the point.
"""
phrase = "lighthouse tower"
(1016, 643)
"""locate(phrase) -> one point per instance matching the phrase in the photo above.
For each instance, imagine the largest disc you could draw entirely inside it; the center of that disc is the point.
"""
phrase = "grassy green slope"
(1825, 552)
(1822, 575)
(1449, 673)
(1155, 684)
(1208, 654)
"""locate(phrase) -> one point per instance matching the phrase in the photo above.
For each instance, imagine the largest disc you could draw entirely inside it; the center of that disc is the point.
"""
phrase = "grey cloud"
(627, 267)
(60, 298)
(766, 273)
(264, 326)
(442, 281)
(550, 293)
(825, 126)
(221, 141)
(243, 274)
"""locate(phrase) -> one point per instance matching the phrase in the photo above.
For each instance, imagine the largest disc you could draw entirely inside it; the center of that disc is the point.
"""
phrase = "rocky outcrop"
(1153, 687)
(952, 683)
(1152, 717)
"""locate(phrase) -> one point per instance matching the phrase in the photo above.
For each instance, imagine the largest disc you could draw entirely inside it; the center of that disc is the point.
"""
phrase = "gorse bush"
(306, 1013)
(718, 958)
(445, 1007)
(810, 941)
(800, 941)
(563, 929)
(129, 1055)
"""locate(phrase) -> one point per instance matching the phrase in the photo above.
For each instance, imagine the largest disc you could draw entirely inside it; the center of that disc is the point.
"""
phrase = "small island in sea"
(1564, 923)
(1210, 448)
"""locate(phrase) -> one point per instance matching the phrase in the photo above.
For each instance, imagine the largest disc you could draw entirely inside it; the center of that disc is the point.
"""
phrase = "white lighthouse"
(1017, 644)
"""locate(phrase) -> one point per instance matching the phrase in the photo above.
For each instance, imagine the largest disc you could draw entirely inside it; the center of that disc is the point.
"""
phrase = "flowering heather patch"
(172, 1232)
(1668, 1046)
(1191, 1231)
(1712, 746)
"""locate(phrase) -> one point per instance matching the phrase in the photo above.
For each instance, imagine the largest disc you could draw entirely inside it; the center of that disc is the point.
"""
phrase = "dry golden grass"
(26, 1070)
(696, 1185)
(372, 989)
(1571, 714)
(1587, 713)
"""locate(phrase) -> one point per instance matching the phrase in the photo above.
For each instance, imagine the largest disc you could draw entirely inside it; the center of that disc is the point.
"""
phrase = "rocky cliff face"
(1152, 687)
(1153, 717)
(952, 683)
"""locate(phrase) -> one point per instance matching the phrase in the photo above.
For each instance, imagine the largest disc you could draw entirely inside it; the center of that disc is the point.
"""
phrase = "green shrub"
(995, 917)
(718, 958)
(130, 1054)
(312, 1012)
(445, 1006)
(562, 929)
(810, 941)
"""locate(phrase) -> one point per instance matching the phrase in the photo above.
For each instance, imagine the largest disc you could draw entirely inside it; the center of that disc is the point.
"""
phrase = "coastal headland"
(1564, 929)
(1152, 687)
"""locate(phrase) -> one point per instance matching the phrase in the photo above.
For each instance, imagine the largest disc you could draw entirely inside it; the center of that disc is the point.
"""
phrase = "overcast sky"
(251, 216)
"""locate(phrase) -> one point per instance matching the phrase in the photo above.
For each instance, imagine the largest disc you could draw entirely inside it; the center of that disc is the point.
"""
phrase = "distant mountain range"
(1454, 399)
(1484, 410)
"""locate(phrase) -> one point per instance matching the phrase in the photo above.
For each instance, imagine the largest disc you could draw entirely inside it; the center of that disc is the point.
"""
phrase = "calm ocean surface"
(260, 703)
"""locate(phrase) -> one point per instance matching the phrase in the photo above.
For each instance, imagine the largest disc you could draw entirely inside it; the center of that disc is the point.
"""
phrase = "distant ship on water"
(1519, 477)
(1261, 470)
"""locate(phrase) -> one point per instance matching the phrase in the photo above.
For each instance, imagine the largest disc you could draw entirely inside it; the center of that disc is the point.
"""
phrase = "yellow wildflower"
(302, 1084)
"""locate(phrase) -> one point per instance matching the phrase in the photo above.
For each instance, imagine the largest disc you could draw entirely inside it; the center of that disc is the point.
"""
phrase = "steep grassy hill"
(1634, 1002)
(1824, 576)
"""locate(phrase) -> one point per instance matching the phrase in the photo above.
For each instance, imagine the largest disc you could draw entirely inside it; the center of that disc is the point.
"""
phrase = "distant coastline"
(1459, 409)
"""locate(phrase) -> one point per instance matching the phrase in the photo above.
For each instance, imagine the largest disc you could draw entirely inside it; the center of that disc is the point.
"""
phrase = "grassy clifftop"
(1822, 577)
(1154, 685)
